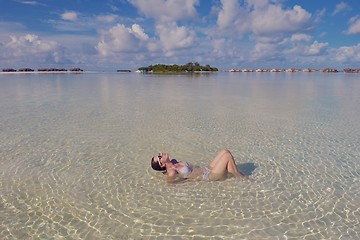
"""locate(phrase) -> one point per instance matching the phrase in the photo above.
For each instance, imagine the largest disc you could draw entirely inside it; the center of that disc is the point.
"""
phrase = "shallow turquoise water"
(75, 153)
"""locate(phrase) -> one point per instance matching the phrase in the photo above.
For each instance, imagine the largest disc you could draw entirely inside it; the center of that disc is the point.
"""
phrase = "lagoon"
(75, 155)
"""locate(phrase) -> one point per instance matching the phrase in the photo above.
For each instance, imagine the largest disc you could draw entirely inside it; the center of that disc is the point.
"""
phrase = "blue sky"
(107, 35)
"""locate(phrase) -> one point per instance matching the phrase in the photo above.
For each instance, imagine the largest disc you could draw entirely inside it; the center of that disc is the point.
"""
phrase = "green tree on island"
(189, 67)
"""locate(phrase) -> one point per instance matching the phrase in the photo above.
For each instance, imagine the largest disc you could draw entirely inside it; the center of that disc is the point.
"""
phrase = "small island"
(189, 67)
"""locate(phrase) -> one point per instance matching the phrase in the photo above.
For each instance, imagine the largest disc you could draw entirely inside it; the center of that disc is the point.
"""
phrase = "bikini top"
(184, 171)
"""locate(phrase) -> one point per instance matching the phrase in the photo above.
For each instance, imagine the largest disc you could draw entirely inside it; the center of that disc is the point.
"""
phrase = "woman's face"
(161, 158)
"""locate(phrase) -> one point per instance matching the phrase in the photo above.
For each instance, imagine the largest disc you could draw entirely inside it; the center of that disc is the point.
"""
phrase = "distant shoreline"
(293, 70)
(325, 70)
(164, 73)
(43, 72)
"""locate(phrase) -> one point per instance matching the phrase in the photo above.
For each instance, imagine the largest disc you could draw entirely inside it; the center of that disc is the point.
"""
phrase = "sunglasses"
(159, 158)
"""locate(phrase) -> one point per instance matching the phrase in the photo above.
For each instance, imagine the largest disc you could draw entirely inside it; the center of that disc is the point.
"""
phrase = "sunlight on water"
(76, 148)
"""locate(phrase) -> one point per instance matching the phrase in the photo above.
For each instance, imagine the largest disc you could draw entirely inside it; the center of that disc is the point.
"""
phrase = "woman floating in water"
(222, 164)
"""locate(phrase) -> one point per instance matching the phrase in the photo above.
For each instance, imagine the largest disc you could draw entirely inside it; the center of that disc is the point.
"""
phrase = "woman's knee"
(225, 150)
(227, 153)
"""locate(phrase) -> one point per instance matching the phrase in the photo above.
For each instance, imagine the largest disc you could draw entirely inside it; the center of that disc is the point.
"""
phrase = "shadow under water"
(246, 168)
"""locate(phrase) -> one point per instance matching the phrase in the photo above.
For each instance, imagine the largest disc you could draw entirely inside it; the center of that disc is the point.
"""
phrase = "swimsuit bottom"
(206, 172)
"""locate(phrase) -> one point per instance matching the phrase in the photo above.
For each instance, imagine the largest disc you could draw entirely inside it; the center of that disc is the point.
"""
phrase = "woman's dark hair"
(156, 166)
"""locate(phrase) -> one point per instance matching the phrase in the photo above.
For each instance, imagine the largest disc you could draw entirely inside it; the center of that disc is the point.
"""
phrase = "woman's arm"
(171, 177)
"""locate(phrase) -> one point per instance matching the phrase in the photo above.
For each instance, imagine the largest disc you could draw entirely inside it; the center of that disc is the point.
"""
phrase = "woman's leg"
(224, 162)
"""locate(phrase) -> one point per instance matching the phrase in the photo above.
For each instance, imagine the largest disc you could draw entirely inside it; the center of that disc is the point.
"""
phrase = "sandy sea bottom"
(75, 152)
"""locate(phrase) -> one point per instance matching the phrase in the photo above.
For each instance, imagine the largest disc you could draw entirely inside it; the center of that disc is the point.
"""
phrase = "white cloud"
(257, 3)
(316, 48)
(139, 32)
(30, 50)
(291, 51)
(69, 16)
(225, 49)
(233, 19)
(167, 10)
(229, 13)
(273, 19)
(348, 54)
(107, 18)
(29, 44)
(300, 37)
(173, 37)
(11, 26)
(219, 47)
(262, 18)
(341, 7)
(279, 34)
(122, 39)
(71, 21)
(354, 27)
(264, 51)
(33, 3)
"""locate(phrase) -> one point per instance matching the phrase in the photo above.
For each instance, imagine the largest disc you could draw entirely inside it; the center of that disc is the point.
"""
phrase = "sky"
(107, 35)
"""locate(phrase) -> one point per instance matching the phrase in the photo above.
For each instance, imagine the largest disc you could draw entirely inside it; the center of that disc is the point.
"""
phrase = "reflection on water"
(75, 155)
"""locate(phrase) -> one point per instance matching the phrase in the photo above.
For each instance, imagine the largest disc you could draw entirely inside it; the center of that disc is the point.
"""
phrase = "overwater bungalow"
(26, 70)
(332, 70)
(262, 70)
(292, 70)
(76, 70)
(52, 70)
(309, 70)
(9, 70)
(352, 70)
(276, 70)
